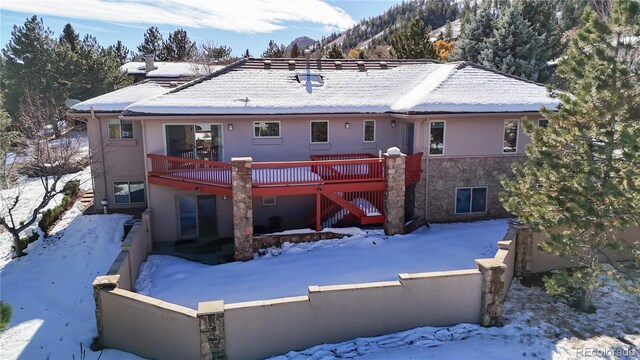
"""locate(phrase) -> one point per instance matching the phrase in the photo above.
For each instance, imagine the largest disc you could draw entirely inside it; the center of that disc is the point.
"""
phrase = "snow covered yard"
(50, 288)
(538, 326)
(368, 256)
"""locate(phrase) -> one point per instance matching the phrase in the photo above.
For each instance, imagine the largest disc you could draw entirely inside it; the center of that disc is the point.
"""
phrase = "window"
(126, 192)
(120, 129)
(319, 131)
(436, 138)
(471, 200)
(543, 122)
(369, 131)
(266, 129)
(510, 144)
(268, 201)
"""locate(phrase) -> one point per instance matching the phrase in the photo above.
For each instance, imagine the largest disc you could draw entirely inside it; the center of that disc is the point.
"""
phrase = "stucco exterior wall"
(149, 327)
(294, 211)
(124, 160)
(162, 200)
(294, 143)
(542, 261)
(337, 313)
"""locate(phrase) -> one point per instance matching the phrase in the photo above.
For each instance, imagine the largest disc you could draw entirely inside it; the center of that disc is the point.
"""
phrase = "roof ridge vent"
(361, 66)
(383, 64)
(267, 64)
(338, 64)
(292, 64)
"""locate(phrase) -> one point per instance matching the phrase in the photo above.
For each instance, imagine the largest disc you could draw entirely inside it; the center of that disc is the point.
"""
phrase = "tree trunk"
(585, 299)
(17, 244)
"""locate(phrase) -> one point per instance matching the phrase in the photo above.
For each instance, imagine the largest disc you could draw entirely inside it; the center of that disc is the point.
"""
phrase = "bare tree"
(37, 156)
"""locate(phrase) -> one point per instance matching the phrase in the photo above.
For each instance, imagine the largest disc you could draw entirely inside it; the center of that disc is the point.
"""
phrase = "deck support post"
(318, 212)
(394, 174)
(242, 207)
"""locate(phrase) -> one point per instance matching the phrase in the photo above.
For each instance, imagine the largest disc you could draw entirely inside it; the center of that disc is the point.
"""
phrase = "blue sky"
(240, 24)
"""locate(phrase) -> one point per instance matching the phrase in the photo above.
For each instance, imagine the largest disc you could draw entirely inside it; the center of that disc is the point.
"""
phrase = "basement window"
(471, 200)
(127, 192)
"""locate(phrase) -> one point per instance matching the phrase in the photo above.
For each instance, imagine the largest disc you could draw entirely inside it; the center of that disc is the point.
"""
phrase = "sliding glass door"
(199, 141)
(197, 217)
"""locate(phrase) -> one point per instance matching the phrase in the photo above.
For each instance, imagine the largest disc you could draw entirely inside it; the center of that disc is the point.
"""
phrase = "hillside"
(378, 29)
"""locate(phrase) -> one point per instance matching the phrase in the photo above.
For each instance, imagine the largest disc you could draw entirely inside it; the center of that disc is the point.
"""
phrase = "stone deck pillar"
(394, 194)
(211, 320)
(420, 207)
(100, 284)
(493, 291)
(242, 207)
(524, 249)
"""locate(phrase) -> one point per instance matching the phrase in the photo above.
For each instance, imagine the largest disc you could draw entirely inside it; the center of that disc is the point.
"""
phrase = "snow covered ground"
(50, 288)
(368, 256)
(538, 326)
(31, 191)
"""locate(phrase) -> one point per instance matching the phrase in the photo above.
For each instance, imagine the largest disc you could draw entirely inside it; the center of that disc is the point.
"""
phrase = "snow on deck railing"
(317, 172)
(203, 171)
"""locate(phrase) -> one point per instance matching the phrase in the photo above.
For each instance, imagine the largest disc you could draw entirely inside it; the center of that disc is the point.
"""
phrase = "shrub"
(5, 315)
(51, 216)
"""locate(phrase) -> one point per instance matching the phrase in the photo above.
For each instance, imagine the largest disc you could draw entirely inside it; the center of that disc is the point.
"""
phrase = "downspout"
(146, 163)
(426, 168)
(104, 169)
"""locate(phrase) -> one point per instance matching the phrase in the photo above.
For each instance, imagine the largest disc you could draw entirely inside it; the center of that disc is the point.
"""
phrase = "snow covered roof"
(351, 87)
(168, 69)
(121, 98)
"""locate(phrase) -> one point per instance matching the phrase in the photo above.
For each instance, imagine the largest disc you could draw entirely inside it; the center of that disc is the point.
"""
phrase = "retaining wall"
(156, 329)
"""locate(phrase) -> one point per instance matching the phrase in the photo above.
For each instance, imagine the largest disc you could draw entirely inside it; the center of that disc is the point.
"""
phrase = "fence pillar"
(394, 194)
(146, 227)
(493, 291)
(100, 284)
(242, 207)
(524, 249)
(211, 320)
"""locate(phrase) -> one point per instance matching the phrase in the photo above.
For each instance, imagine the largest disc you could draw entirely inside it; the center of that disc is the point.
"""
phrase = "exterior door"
(197, 217)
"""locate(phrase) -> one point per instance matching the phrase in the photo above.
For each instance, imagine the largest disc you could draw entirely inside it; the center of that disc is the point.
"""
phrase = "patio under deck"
(347, 186)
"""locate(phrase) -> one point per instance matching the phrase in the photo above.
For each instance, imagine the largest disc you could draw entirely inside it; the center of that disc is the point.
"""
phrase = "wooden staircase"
(86, 200)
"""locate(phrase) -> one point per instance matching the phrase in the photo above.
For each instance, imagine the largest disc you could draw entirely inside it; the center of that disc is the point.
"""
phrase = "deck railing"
(352, 156)
(317, 172)
(197, 171)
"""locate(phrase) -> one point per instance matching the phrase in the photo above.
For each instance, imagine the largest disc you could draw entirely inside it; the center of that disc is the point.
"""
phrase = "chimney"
(148, 63)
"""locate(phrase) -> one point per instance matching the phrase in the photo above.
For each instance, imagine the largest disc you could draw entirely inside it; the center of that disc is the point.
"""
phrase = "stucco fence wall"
(156, 329)
(531, 259)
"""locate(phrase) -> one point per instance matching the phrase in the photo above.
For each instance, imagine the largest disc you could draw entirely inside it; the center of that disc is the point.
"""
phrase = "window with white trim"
(319, 131)
(471, 200)
(266, 129)
(268, 201)
(127, 192)
(436, 137)
(510, 143)
(369, 131)
(120, 129)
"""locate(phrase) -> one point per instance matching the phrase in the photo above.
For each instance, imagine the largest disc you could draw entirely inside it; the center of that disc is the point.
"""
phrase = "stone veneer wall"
(267, 241)
(445, 174)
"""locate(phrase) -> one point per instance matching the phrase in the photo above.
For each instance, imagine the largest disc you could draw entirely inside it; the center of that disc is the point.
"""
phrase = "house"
(314, 130)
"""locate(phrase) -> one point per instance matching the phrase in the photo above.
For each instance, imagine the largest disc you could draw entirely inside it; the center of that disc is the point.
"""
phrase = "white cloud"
(247, 16)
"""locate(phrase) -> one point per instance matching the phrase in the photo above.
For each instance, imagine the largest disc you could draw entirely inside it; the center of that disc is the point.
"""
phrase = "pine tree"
(274, 51)
(412, 42)
(70, 37)
(514, 48)
(27, 62)
(178, 47)
(542, 17)
(121, 52)
(448, 33)
(295, 51)
(335, 52)
(152, 43)
(473, 35)
(581, 182)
